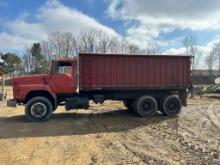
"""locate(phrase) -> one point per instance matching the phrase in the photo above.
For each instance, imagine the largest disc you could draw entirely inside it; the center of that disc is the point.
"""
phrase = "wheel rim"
(172, 106)
(148, 107)
(38, 110)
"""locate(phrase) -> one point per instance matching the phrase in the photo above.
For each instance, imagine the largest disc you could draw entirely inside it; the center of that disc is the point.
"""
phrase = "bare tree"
(209, 61)
(188, 41)
(88, 40)
(55, 40)
(191, 49)
(60, 44)
(76, 46)
(114, 45)
(104, 41)
(216, 52)
(93, 40)
(27, 61)
(153, 48)
(67, 44)
(123, 46)
(133, 49)
(47, 50)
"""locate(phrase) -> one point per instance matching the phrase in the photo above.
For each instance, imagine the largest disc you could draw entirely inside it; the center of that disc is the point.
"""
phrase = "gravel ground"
(110, 134)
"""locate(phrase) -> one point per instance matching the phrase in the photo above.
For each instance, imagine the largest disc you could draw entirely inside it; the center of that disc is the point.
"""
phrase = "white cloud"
(51, 16)
(27, 30)
(174, 51)
(8, 41)
(55, 16)
(203, 52)
(112, 8)
(155, 17)
(185, 14)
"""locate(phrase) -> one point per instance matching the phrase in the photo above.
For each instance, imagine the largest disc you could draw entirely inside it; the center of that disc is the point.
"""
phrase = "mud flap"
(183, 97)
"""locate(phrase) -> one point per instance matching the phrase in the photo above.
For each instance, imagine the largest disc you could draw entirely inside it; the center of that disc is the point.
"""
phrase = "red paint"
(53, 83)
(99, 71)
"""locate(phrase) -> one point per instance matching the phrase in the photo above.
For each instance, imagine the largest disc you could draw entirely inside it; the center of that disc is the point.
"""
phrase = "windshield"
(60, 67)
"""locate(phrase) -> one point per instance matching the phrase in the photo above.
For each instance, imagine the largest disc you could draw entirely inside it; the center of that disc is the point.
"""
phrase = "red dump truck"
(145, 83)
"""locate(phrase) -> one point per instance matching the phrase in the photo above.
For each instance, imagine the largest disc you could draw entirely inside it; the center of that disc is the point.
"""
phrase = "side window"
(64, 67)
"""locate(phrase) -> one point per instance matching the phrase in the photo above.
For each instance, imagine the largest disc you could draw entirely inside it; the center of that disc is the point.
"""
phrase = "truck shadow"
(64, 124)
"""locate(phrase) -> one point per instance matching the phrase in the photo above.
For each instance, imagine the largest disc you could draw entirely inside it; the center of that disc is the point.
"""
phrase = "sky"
(142, 22)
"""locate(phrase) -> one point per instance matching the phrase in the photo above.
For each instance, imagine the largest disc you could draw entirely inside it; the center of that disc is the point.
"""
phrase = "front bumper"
(11, 103)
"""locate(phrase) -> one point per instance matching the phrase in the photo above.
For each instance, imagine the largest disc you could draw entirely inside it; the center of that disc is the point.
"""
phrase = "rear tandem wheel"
(146, 106)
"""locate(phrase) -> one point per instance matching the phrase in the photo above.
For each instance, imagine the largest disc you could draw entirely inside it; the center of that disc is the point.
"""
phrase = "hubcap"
(38, 109)
(172, 106)
(147, 106)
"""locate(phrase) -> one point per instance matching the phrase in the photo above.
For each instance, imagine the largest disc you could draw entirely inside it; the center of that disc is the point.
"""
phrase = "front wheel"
(38, 109)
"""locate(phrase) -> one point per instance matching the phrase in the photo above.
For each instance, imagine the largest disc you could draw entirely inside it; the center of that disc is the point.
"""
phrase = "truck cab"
(62, 77)
(45, 91)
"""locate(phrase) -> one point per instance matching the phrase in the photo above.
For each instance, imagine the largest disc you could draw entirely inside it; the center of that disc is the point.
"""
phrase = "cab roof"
(65, 59)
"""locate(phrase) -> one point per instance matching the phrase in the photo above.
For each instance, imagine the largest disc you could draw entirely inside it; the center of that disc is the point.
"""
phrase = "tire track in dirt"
(21, 152)
(212, 116)
(120, 153)
(199, 136)
(202, 154)
(111, 137)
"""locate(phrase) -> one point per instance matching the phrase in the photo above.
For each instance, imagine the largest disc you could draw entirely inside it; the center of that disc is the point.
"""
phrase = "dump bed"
(111, 71)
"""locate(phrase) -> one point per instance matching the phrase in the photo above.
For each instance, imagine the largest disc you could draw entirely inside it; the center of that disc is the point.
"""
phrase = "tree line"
(37, 57)
(213, 58)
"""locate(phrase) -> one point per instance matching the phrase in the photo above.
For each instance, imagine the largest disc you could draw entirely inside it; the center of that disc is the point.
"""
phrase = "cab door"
(62, 80)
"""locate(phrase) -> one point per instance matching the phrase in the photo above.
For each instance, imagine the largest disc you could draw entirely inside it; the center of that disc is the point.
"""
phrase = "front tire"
(38, 109)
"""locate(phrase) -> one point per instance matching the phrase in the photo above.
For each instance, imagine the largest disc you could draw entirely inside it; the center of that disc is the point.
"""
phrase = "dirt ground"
(109, 134)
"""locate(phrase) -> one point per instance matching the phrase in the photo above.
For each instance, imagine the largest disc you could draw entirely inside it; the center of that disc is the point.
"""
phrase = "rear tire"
(171, 105)
(38, 109)
(146, 106)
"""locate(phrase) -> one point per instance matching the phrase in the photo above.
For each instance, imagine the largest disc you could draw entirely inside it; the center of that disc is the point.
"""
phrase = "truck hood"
(33, 79)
